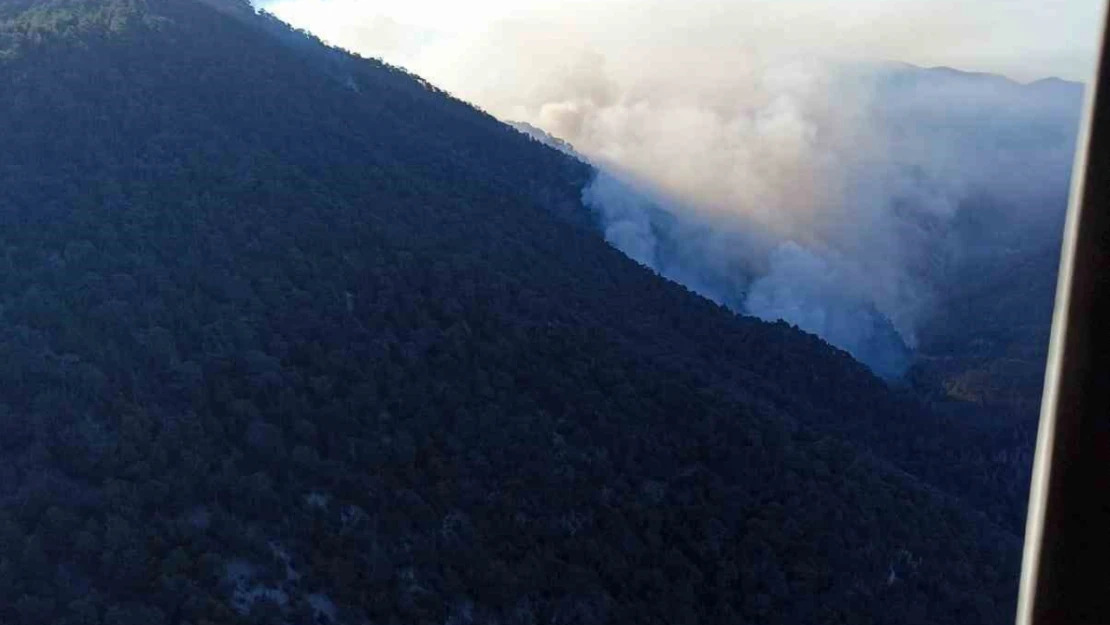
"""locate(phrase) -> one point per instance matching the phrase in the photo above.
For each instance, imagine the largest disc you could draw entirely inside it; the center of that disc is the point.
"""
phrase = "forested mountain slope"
(288, 335)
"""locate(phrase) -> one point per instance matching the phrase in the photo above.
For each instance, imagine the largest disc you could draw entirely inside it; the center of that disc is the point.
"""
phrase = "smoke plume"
(759, 154)
(835, 205)
(804, 187)
(824, 194)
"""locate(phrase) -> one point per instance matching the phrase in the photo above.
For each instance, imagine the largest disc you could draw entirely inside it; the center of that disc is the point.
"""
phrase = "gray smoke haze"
(758, 153)
(817, 190)
(828, 196)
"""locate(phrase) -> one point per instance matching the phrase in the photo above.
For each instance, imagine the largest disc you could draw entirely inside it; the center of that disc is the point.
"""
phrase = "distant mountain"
(995, 272)
(290, 336)
(547, 139)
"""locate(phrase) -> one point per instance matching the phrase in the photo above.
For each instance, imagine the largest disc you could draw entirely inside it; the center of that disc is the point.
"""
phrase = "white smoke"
(824, 195)
(747, 152)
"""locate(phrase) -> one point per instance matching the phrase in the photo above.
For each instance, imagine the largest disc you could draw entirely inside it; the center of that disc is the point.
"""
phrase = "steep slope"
(982, 357)
(288, 335)
(989, 342)
(994, 269)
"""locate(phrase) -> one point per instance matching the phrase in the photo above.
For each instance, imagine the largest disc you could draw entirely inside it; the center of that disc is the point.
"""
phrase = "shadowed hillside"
(287, 335)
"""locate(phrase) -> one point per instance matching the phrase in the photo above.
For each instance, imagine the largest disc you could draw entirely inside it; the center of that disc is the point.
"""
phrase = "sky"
(1023, 39)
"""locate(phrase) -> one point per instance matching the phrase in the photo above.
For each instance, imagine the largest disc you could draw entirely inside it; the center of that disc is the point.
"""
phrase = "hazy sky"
(1025, 39)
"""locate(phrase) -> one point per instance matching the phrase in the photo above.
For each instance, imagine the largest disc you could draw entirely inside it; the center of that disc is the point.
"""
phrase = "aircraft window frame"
(1064, 574)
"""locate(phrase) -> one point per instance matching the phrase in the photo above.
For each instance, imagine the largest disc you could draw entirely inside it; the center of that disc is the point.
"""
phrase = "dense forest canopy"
(290, 336)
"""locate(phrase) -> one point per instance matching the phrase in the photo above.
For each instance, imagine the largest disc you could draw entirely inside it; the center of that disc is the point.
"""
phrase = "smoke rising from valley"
(758, 153)
(822, 191)
(839, 203)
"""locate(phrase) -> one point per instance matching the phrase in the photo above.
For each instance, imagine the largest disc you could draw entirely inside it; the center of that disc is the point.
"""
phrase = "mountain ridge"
(275, 348)
(980, 75)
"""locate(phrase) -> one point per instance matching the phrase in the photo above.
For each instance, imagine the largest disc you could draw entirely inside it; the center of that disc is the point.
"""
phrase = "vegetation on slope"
(285, 339)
